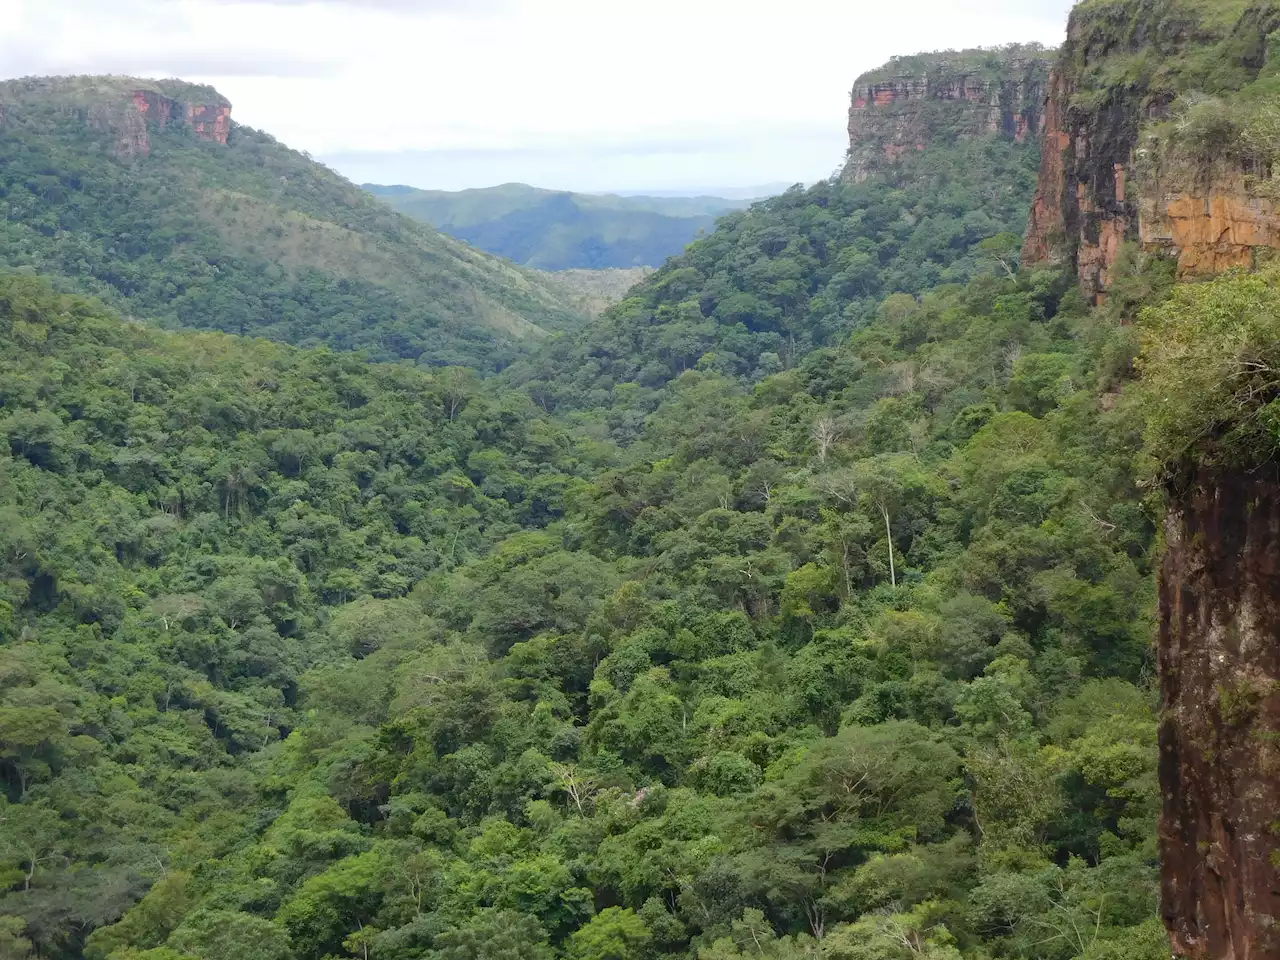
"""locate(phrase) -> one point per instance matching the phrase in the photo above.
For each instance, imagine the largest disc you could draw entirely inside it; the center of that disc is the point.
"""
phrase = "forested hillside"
(558, 230)
(853, 657)
(800, 608)
(795, 273)
(240, 233)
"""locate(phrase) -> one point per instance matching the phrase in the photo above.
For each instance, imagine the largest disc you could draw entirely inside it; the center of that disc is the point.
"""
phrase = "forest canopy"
(799, 608)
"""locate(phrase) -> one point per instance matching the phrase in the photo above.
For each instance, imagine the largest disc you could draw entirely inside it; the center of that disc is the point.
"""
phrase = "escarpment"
(913, 102)
(1146, 140)
(1220, 738)
(1210, 220)
(1162, 138)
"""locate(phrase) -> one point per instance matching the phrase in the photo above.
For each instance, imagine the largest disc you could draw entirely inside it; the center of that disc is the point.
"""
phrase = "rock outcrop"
(1220, 736)
(1148, 144)
(208, 118)
(1121, 70)
(913, 102)
(1210, 222)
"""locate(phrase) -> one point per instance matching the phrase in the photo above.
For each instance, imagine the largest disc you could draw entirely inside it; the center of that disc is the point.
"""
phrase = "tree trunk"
(888, 530)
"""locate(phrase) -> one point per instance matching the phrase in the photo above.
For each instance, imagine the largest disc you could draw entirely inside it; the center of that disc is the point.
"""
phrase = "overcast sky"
(572, 94)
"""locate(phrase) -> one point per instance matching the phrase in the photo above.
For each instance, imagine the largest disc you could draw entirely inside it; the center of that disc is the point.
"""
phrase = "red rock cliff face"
(1084, 209)
(151, 110)
(1092, 198)
(1220, 737)
(1210, 222)
(917, 101)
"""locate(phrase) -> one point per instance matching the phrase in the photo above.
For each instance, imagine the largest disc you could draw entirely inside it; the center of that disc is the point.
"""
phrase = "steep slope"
(1161, 132)
(930, 99)
(557, 230)
(149, 195)
(1162, 145)
(185, 519)
(594, 291)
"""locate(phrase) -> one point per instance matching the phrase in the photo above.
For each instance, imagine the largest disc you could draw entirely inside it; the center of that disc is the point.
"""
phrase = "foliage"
(1209, 387)
(793, 274)
(691, 708)
(594, 291)
(986, 63)
(180, 516)
(842, 652)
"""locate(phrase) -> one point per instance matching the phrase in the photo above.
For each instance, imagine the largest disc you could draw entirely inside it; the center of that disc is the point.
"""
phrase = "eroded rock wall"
(1084, 210)
(1120, 71)
(918, 101)
(1210, 222)
(128, 110)
(150, 109)
(1220, 735)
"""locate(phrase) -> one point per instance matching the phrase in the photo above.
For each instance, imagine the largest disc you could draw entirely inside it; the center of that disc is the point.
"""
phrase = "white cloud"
(497, 83)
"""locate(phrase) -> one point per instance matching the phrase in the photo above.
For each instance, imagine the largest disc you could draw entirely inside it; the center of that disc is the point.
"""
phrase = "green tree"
(613, 934)
(495, 934)
(212, 934)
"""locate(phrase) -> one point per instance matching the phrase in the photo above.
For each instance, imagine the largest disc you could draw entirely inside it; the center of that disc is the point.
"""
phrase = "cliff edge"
(1220, 735)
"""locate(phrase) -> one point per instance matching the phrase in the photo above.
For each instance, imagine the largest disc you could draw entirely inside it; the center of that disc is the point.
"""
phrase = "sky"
(591, 95)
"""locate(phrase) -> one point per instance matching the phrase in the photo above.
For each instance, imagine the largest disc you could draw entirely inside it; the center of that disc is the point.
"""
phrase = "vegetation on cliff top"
(249, 238)
(1210, 386)
(1146, 52)
(986, 63)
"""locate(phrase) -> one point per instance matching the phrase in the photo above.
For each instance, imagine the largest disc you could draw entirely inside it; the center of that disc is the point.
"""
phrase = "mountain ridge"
(166, 207)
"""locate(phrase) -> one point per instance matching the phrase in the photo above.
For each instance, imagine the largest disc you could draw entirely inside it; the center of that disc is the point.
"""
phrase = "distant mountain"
(557, 230)
(748, 194)
(936, 192)
(148, 195)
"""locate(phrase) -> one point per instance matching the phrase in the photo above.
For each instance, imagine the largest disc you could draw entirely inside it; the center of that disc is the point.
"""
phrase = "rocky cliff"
(130, 110)
(1128, 69)
(1220, 737)
(941, 97)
